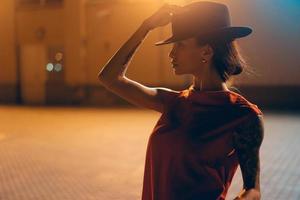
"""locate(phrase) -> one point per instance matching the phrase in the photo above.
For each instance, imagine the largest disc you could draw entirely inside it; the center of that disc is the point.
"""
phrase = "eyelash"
(179, 45)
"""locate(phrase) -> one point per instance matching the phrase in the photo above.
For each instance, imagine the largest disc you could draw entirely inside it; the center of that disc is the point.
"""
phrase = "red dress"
(190, 154)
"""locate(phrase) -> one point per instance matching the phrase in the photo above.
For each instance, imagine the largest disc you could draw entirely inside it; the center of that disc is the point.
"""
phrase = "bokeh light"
(49, 67)
(58, 56)
(58, 67)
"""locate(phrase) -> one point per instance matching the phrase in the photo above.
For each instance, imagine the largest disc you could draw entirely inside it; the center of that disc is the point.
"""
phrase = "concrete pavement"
(52, 153)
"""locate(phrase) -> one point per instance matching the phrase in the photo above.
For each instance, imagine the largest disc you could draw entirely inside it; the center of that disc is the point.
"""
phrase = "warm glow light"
(58, 56)
(58, 67)
(49, 67)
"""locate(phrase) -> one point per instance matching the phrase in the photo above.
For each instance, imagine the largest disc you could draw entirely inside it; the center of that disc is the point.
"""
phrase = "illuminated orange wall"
(7, 44)
(29, 20)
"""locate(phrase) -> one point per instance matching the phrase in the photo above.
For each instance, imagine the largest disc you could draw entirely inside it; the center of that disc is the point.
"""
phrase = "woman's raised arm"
(112, 75)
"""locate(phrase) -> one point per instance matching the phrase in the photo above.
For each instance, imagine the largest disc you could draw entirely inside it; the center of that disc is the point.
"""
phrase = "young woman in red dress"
(206, 130)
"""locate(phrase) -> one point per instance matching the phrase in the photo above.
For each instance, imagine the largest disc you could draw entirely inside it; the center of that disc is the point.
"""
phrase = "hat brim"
(227, 33)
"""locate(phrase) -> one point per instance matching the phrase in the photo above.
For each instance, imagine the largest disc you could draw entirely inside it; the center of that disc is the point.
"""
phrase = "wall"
(8, 77)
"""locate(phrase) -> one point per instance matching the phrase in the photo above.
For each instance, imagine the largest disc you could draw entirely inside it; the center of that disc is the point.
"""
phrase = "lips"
(174, 64)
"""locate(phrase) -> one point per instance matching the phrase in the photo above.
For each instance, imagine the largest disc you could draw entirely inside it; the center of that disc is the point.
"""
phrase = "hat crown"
(198, 17)
(206, 20)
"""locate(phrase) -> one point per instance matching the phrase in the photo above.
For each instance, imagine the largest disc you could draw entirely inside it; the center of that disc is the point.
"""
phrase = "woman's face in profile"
(186, 57)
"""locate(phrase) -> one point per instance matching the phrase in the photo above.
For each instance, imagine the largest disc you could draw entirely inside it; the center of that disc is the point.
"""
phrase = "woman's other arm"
(247, 141)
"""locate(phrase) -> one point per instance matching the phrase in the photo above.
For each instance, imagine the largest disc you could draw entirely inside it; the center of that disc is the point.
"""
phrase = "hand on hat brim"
(178, 9)
(162, 16)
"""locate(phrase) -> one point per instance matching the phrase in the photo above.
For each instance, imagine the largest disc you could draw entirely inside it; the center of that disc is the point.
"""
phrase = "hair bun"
(237, 70)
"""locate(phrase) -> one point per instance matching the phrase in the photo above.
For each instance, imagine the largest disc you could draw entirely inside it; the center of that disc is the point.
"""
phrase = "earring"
(203, 60)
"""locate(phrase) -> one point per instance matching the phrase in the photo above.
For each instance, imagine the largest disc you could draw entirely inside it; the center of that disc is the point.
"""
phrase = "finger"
(170, 9)
(178, 10)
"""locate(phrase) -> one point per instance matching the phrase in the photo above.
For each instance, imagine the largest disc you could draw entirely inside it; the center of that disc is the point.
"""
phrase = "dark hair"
(227, 57)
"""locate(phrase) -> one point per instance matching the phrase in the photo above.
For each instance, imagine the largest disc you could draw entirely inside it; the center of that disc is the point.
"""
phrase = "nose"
(172, 52)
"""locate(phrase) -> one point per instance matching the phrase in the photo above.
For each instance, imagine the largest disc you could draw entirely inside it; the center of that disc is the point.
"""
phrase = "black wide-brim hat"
(204, 20)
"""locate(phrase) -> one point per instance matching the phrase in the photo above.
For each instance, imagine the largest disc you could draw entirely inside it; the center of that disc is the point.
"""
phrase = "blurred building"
(52, 50)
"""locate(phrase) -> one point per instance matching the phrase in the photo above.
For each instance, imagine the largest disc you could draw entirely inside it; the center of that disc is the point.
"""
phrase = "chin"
(177, 71)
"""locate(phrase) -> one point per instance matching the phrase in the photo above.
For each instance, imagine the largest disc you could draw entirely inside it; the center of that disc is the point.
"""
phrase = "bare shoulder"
(166, 93)
(165, 97)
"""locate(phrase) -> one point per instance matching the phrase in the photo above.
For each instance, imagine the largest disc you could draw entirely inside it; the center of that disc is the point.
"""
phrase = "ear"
(207, 52)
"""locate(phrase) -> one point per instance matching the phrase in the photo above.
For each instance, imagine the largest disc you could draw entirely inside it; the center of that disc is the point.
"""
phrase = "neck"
(209, 83)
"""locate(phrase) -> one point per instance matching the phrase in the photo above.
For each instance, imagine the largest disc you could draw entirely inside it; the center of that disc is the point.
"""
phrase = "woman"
(204, 131)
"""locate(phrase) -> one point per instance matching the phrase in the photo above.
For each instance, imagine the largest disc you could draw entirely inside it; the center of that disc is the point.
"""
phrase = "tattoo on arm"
(247, 140)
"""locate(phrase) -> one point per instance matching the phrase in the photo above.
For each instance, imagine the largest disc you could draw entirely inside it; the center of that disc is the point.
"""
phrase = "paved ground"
(86, 154)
